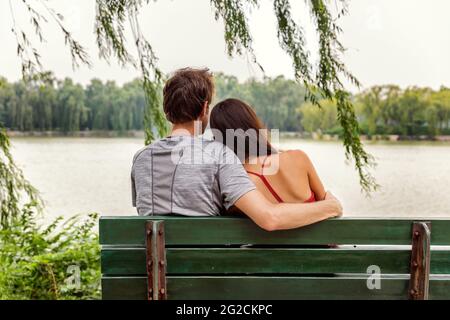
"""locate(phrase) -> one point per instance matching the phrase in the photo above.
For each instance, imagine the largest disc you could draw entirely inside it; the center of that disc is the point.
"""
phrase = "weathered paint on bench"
(205, 260)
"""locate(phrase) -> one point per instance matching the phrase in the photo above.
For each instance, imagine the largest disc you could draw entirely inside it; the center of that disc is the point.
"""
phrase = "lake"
(81, 175)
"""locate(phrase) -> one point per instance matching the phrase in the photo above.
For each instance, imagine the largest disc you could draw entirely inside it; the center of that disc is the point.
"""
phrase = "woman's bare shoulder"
(297, 157)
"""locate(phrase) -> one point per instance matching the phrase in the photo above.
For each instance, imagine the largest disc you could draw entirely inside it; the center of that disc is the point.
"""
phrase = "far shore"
(77, 134)
(284, 135)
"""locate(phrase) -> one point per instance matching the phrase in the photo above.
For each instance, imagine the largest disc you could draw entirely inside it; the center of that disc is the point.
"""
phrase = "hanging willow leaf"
(111, 20)
(13, 185)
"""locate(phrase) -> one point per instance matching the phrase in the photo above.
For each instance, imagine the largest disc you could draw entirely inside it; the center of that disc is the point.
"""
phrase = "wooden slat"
(439, 288)
(260, 288)
(224, 230)
(440, 261)
(124, 288)
(260, 261)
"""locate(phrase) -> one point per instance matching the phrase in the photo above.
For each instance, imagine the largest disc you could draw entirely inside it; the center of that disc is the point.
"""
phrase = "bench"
(168, 257)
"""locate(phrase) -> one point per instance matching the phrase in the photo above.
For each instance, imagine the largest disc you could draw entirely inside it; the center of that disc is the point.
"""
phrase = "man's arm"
(283, 216)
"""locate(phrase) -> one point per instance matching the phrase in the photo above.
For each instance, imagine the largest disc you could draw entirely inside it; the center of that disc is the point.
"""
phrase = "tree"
(112, 17)
(323, 119)
(412, 104)
(441, 101)
(274, 100)
(71, 108)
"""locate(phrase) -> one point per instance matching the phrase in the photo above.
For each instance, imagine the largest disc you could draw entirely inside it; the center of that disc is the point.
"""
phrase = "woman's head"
(235, 124)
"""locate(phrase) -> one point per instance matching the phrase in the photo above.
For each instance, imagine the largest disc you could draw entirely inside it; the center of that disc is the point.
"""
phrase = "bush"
(59, 261)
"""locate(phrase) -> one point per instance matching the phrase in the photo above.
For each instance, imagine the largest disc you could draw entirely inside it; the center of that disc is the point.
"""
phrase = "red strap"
(269, 187)
(312, 198)
(264, 164)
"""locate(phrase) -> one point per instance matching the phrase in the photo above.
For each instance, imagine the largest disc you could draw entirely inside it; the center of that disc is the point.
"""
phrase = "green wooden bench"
(232, 258)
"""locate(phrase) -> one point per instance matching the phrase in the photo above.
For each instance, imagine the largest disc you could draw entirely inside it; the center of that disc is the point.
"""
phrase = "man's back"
(187, 175)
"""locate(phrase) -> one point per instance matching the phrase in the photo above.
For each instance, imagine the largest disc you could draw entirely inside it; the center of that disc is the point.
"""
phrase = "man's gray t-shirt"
(187, 175)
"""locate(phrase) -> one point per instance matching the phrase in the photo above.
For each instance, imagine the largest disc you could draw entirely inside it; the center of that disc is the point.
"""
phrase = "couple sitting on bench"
(239, 172)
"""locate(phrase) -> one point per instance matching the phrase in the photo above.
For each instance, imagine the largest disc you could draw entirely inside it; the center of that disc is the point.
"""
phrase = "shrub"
(58, 261)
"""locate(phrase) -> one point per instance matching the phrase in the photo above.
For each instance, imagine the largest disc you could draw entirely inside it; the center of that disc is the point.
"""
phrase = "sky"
(403, 42)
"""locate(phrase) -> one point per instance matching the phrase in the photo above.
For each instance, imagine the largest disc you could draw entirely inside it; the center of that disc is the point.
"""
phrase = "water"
(81, 175)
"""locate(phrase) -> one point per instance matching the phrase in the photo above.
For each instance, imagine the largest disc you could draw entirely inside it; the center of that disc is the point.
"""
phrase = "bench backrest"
(232, 258)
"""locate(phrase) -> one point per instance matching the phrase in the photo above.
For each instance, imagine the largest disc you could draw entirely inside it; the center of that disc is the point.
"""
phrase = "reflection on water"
(78, 175)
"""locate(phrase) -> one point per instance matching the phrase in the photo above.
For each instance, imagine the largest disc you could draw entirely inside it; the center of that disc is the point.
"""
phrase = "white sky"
(404, 42)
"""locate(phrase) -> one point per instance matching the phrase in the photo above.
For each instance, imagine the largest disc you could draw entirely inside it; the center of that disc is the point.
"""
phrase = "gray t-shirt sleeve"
(233, 179)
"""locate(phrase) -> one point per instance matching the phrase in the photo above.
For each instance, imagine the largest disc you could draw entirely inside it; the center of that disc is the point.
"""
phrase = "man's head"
(187, 96)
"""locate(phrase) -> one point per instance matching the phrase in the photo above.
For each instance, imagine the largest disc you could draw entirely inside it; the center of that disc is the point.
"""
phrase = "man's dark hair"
(185, 94)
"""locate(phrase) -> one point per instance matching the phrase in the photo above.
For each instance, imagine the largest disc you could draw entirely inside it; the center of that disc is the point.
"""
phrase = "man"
(185, 174)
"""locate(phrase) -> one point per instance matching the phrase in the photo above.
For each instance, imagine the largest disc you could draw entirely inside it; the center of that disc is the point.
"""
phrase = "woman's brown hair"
(234, 114)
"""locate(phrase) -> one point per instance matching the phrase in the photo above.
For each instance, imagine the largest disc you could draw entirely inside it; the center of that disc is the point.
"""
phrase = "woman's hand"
(330, 197)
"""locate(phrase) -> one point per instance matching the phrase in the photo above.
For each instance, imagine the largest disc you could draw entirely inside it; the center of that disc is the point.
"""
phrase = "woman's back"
(286, 177)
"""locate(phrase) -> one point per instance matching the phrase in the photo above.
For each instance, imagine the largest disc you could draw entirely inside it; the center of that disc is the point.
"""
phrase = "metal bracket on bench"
(156, 260)
(420, 261)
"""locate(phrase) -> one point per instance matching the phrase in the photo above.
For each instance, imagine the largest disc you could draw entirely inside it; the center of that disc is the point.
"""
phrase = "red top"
(271, 189)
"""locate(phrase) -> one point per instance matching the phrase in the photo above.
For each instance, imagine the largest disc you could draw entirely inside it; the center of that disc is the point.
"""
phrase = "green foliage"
(237, 34)
(40, 13)
(384, 110)
(410, 112)
(33, 259)
(275, 99)
(110, 25)
(13, 185)
(323, 120)
(43, 263)
(67, 107)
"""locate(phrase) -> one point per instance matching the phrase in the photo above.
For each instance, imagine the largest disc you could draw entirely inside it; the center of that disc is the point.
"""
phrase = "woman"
(287, 176)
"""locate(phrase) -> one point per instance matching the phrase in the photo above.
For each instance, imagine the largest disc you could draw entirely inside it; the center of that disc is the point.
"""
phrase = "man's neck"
(186, 129)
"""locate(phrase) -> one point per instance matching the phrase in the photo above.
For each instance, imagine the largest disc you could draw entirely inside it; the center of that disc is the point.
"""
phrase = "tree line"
(388, 110)
(65, 106)
(62, 105)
